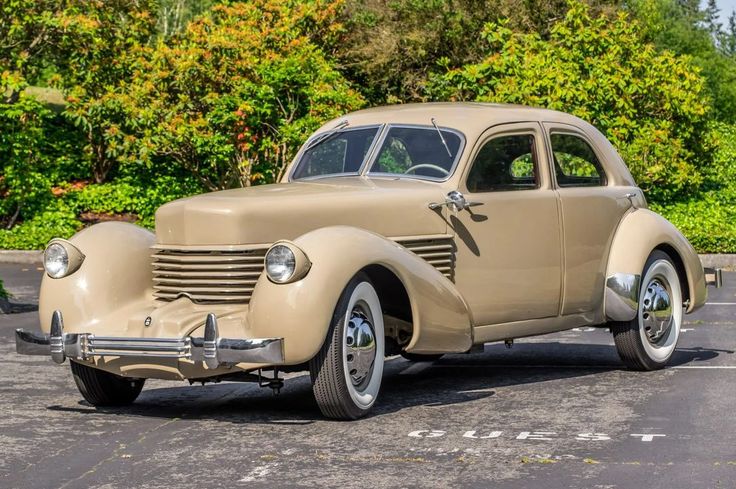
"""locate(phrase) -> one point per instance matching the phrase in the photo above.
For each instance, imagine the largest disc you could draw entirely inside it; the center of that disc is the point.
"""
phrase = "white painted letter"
(649, 437)
(427, 433)
(472, 434)
(535, 435)
(593, 437)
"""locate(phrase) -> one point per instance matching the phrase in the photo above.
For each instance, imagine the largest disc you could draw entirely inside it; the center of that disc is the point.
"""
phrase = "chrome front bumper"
(212, 350)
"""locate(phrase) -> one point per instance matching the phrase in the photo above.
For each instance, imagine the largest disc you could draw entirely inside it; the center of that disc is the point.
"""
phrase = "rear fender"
(639, 233)
(301, 311)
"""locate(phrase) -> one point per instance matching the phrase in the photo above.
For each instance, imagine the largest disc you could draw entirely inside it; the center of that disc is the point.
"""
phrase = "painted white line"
(584, 367)
(720, 303)
(712, 367)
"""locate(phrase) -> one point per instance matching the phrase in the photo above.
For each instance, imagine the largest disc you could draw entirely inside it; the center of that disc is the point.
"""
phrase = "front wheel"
(648, 341)
(101, 388)
(346, 373)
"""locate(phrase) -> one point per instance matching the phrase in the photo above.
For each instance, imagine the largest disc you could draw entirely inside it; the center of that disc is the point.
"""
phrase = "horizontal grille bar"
(207, 276)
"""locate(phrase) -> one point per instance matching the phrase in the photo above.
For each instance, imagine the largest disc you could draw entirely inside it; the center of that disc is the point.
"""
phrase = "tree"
(728, 44)
(391, 48)
(80, 46)
(174, 15)
(678, 26)
(651, 104)
(233, 95)
(711, 15)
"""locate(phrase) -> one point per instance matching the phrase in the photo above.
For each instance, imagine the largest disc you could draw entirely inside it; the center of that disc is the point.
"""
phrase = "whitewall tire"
(347, 372)
(648, 341)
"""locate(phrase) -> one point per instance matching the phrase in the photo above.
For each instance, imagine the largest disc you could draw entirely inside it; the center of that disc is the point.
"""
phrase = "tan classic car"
(416, 230)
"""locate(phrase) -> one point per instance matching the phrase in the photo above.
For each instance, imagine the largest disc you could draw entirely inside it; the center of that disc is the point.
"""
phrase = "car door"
(509, 258)
(591, 209)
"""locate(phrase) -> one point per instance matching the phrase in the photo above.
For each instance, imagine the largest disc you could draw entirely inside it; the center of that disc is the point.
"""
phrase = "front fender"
(638, 234)
(116, 272)
(301, 311)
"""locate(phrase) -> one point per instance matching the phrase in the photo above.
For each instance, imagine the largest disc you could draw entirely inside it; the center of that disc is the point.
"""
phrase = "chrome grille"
(207, 276)
(438, 252)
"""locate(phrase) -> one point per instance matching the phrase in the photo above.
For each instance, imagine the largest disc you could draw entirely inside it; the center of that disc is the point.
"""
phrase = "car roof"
(467, 117)
(474, 118)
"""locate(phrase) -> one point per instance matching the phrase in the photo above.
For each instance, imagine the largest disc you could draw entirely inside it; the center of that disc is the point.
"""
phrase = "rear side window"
(505, 163)
(576, 164)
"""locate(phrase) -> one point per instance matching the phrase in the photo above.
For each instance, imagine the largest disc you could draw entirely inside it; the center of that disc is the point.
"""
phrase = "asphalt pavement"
(557, 411)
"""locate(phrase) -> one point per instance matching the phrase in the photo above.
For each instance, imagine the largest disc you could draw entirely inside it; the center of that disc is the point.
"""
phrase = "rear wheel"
(648, 341)
(101, 388)
(346, 373)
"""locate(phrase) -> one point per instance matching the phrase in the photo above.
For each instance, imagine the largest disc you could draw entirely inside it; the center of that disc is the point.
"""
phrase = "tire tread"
(326, 368)
(101, 388)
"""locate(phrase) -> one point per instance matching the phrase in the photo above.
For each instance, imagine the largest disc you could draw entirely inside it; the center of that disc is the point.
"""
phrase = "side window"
(576, 164)
(343, 152)
(505, 163)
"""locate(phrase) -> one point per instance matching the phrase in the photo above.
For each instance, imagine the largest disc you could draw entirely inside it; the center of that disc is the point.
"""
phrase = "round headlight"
(280, 263)
(56, 260)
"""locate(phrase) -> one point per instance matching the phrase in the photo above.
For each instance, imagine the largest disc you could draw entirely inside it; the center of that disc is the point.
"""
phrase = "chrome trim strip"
(622, 296)
(211, 349)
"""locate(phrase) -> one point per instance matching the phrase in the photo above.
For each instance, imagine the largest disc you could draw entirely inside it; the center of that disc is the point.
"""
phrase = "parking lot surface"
(556, 411)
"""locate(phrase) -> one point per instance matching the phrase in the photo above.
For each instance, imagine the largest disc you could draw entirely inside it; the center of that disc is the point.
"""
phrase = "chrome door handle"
(455, 201)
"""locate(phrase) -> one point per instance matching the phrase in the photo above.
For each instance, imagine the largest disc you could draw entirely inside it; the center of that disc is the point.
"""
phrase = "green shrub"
(57, 220)
(3, 293)
(708, 218)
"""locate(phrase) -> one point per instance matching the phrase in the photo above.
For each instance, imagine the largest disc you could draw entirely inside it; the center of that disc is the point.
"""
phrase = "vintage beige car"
(416, 230)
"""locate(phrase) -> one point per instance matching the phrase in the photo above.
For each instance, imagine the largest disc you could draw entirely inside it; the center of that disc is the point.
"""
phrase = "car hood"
(268, 213)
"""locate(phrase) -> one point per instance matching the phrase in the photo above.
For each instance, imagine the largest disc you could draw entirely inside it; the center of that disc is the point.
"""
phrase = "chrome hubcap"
(360, 344)
(656, 311)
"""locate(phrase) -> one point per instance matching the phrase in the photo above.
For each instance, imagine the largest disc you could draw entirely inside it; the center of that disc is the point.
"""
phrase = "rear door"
(591, 210)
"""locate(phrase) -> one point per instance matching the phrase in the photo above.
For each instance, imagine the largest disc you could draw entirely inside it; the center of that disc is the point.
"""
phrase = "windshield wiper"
(325, 136)
(442, 138)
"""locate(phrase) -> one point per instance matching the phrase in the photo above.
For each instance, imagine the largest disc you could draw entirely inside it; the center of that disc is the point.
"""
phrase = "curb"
(35, 257)
(721, 260)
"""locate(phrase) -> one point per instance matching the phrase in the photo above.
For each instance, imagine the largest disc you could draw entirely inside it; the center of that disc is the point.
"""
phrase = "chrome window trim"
(367, 156)
(461, 148)
(551, 128)
(537, 141)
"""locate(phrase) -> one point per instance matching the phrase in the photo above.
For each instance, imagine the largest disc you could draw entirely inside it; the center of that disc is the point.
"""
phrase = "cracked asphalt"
(557, 411)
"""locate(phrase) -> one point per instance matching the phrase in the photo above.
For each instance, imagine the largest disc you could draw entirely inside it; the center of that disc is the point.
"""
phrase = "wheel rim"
(363, 345)
(660, 310)
(657, 317)
(360, 345)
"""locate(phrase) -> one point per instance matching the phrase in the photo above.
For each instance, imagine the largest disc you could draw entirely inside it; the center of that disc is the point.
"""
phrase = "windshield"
(418, 152)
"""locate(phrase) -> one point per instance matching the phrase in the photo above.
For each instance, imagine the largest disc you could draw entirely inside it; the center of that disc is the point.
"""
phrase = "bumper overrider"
(212, 350)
